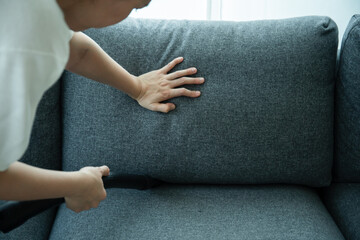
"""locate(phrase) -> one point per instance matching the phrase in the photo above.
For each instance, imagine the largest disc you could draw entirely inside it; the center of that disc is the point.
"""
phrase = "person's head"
(84, 14)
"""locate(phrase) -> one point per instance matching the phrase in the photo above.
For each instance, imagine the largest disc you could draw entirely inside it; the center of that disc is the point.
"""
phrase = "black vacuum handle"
(13, 213)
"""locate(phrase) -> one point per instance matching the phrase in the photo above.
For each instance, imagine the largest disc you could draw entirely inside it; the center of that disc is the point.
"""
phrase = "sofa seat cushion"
(202, 212)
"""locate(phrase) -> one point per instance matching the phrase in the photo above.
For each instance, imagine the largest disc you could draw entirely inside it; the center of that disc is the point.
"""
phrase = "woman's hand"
(158, 86)
(90, 189)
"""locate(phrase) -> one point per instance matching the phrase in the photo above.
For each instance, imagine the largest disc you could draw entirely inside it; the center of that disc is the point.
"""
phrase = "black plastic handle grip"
(13, 214)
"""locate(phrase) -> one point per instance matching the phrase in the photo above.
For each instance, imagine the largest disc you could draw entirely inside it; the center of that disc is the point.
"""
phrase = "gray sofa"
(271, 150)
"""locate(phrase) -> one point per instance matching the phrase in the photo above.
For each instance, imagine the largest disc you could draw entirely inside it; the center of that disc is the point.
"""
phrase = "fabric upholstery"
(202, 212)
(347, 133)
(265, 114)
(343, 202)
(37, 228)
(44, 151)
(45, 146)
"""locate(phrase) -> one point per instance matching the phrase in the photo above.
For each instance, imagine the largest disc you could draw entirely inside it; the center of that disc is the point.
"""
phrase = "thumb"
(162, 107)
(104, 170)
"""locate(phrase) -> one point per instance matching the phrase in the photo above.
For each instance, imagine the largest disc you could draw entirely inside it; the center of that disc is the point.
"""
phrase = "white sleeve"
(24, 77)
(32, 58)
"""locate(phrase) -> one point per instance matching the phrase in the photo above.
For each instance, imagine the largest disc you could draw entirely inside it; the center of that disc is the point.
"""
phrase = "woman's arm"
(150, 89)
(82, 189)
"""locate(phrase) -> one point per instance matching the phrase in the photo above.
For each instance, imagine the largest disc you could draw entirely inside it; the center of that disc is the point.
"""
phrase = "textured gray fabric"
(37, 228)
(44, 151)
(343, 202)
(347, 108)
(202, 212)
(46, 137)
(265, 114)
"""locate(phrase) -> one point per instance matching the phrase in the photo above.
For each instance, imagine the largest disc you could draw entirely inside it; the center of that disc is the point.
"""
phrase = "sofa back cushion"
(347, 108)
(265, 114)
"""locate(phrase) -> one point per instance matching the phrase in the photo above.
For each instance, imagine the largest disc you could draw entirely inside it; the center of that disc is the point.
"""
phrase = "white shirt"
(34, 49)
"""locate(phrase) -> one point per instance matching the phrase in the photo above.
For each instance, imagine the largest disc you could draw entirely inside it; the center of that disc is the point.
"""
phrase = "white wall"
(339, 10)
(244, 10)
(173, 9)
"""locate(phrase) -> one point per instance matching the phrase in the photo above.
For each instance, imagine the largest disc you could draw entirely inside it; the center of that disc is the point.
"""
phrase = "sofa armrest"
(343, 202)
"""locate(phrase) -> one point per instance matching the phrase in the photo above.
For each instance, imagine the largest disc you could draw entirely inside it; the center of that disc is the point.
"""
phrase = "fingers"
(186, 81)
(177, 74)
(159, 86)
(162, 107)
(104, 170)
(178, 92)
(182, 73)
(172, 64)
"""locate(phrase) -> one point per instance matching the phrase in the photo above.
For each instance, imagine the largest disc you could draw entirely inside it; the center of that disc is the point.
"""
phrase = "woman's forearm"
(24, 182)
(89, 60)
